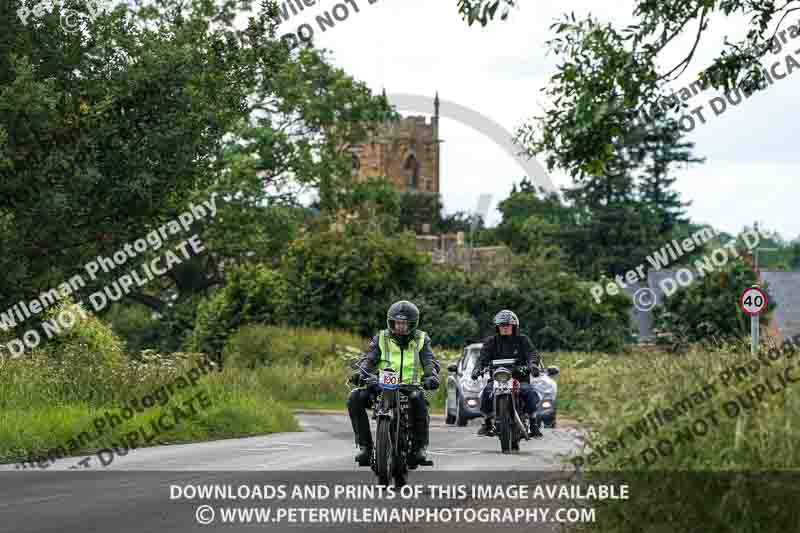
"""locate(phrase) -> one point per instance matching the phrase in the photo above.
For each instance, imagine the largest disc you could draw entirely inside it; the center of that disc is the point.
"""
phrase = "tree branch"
(783, 17)
(689, 57)
(149, 301)
(676, 32)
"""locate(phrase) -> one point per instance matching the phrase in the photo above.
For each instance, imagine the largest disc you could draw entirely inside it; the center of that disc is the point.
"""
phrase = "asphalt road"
(132, 493)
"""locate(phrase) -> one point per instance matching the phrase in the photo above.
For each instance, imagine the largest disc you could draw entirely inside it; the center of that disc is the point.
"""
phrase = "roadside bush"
(452, 329)
(346, 280)
(555, 308)
(708, 309)
(102, 346)
(134, 325)
(256, 345)
(252, 293)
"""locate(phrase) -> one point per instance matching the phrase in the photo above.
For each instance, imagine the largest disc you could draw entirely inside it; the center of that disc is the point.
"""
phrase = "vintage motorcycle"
(393, 441)
(507, 406)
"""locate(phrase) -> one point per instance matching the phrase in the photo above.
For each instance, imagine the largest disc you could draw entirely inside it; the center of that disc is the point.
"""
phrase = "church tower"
(405, 151)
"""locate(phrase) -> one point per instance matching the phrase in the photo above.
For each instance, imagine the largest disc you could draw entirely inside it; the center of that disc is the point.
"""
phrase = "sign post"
(753, 302)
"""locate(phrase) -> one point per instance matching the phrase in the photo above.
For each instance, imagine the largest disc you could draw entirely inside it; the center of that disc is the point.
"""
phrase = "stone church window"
(412, 172)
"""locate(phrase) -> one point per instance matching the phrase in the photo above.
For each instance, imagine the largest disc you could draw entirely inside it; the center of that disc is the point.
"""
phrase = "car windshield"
(471, 359)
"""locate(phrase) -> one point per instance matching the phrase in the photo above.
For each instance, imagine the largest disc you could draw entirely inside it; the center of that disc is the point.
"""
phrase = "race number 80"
(389, 379)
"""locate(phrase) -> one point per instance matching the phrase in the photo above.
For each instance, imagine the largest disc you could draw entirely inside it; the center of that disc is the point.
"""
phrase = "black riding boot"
(487, 428)
(420, 427)
(536, 433)
(418, 452)
(357, 409)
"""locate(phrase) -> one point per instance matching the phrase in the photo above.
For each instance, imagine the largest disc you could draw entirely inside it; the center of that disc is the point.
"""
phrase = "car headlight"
(544, 389)
(472, 402)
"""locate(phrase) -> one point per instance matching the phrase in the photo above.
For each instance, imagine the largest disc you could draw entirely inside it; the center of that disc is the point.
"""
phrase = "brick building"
(405, 151)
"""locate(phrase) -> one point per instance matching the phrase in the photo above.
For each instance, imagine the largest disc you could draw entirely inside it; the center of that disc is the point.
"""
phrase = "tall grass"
(51, 395)
(685, 481)
(308, 367)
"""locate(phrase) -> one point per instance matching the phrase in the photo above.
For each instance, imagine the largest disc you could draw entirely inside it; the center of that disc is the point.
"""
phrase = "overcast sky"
(415, 46)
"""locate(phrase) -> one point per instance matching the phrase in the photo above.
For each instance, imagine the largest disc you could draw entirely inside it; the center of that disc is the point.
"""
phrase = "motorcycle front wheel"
(504, 422)
(384, 452)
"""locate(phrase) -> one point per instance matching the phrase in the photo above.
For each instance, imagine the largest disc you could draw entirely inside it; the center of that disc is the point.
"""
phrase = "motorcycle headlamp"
(502, 375)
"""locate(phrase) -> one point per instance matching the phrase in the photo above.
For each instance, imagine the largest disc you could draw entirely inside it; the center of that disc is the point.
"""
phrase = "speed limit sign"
(753, 301)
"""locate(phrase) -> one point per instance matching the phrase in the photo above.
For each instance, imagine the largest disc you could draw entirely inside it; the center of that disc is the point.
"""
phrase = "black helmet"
(506, 317)
(402, 310)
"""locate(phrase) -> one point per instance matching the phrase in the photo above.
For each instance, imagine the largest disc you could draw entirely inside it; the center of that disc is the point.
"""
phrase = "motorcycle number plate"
(502, 387)
(388, 380)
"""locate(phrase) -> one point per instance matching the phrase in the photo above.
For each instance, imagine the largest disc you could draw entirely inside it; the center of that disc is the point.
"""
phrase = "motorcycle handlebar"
(521, 368)
(373, 380)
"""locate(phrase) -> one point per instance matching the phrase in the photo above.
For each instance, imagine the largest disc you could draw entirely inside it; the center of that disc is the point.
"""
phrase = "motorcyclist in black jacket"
(508, 343)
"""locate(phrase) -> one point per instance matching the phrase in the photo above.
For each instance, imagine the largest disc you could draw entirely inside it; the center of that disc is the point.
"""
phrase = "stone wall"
(452, 249)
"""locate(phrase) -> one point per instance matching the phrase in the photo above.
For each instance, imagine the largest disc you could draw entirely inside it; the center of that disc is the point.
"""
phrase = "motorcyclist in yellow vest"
(400, 345)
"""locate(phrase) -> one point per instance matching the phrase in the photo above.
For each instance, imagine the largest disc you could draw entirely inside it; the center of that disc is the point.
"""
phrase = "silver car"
(463, 399)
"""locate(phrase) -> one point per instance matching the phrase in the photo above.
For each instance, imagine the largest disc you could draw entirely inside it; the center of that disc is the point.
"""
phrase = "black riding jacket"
(518, 347)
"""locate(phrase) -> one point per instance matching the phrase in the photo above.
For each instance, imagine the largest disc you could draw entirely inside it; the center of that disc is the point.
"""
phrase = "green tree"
(531, 217)
(484, 11)
(611, 81)
(708, 309)
(123, 125)
(661, 150)
(614, 231)
(103, 131)
(346, 279)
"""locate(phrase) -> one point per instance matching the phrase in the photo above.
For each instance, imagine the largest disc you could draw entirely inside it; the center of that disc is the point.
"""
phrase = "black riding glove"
(535, 372)
(355, 378)
(430, 383)
(475, 374)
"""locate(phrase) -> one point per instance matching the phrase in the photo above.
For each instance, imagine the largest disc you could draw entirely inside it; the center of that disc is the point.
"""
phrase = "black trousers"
(361, 399)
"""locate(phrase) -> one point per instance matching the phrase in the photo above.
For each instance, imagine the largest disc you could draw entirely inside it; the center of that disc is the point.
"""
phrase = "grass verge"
(704, 439)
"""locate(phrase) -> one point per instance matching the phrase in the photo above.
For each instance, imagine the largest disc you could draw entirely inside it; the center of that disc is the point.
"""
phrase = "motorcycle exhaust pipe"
(521, 426)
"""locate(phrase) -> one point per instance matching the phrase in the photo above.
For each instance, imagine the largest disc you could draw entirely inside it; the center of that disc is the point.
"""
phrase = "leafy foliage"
(257, 345)
(708, 309)
(609, 78)
(251, 293)
(346, 279)
(484, 11)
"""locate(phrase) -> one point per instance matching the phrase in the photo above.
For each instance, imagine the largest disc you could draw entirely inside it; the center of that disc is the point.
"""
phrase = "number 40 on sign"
(753, 301)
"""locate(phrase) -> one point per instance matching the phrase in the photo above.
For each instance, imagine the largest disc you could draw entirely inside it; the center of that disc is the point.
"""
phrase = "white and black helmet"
(403, 310)
(506, 316)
